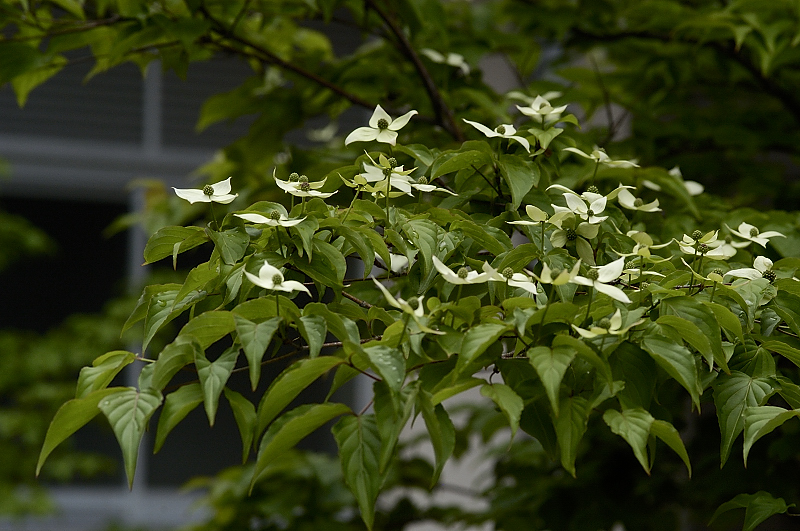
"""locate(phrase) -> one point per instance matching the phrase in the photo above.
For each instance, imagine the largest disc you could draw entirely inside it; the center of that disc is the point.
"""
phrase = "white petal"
(612, 291)
(482, 128)
(562, 188)
(268, 271)
(255, 218)
(387, 137)
(398, 124)
(584, 333)
(576, 204)
(611, 271)
(616, 320)
(389, 298)
(693, 187)
(558, 238)
(523, 141)
(192, 195)
(224, 199)
(762, 263)
(535, 213)
(286, 185)
(292, 285)
(377, 115)
(258, 281)
(222, 187)
(626, 199)
(362, 134)
(579, 152)
(746, 272)
(598, 206)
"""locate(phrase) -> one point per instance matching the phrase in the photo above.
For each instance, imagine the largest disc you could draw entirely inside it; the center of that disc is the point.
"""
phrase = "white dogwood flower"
(762, 268)
(627, 200)
(752, 234)
(558, 278)
(599, 156)
(463, 276)
(270, 277)
(600, 276)
(612, 325)
(451, 59)
(542, 109)
(218, 193)
(303, 187)
(275, 219)
(507, 131)
(587, 211)
(381, 128)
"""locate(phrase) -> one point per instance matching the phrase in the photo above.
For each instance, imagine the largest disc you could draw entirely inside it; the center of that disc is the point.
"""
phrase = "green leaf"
(159, 312)
(704, 318)
(128, 411)
(677, 361)
(289, 384)
(314, 329)
(639, 372)
(209, 327)
(213, 378)
(178, 354)
(244, 412)
(536, 421)
(633, 425)
(476, 341)
(69, 418)
(459, 161)
(758, 507)
(102, 371)
(726, 319)
(790, 353)
(172, 240)
(255, 339)
(197, 279)
(340, 326)
(520, 176)
(508, 401)
(441, 431)
(392, 411)
(490, 242)
(359, 450)
(328, 266)
(732, 395)
(290, 429)
(761, 420)
(692, 334)
(550, 365)
(570, 426)
(667, 433)
(389, 363)
(16, 58)
(424, 235)
(177, 405)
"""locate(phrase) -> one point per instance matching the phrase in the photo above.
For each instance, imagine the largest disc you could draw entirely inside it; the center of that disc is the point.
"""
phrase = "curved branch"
(444, 115)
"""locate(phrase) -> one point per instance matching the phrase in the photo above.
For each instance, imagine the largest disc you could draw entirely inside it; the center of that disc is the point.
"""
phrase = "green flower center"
(593, 189)
(501, 129)
(605, 323)
(305, 186)
(728, 239)
(422, 180)
(593, 274)
(554, 273)
(717, 271)
(275, 215)
(572, 235)
(589, 213)
(753, 232)
(770, 275)
(508, 272)
(638, 202)
(413, 302)
(630, 265)
(462, 273)
(703, 248)
(644, 285)
(383, 124)
(277, 279)
(302, 179)
(294, 177)
(392, 162)
(208, 190)
(387, 172)
(696, 235)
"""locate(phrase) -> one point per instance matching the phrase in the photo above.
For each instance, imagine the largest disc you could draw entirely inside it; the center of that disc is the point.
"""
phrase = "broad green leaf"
(467, 159)
(443, 394)
(490, 241)
(102, 371)
(550, 365)
(726, 319)
(537, 422)
(570, 426)
(789, 391)
(340, 326)
(177, 405)
(508, 401)
(314, 329)
(70, 417)
(159, 312)
(328, 266)
(359, 451)
(171, 241)
(761, 420)
(213, 378)
(231, 244)
(732, 395)
(677, 361)
(703, 318)
(389, 363)
(128, 411)
(392, 411)
(362, 245)
(519, 175)
(587, 353)
(289, 384)
(690, 332)
(441, 431)
(178, 354)
(633, 425)
(758, 507)
(476, 341)
(197, 279)
(255, 339)
(244, 412)
(667, 433)
(790, 353)
(424, 235)
(209, 327)
(290, 429)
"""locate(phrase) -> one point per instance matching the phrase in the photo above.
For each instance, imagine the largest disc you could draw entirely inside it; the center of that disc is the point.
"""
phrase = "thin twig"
(363, 304)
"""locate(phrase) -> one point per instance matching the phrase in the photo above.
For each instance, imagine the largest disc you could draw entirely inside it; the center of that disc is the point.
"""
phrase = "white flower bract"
(270, 277)
(508, 132)
(221, 193)
(381, 128)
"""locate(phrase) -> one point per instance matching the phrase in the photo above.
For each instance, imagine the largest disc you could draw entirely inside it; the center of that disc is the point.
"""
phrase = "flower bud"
(770, 275)
(305, 186)
(383, 124)
(392, 162)
(387, 172)
(302, 179)
(462, 273)
(277, 279)
(728, 239)
(605, 323)
(717, 271)
(630, 264)
(422, 180)
(638, 202)
(696, 235)
(501, 129)
(703, 248)
(208, 190)
(275, 215)
(753, 232)
(572, 235)
(644, 285)
(294, 177)
(413, 302)
(593, 189)
(508, 272)
(593, 274)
